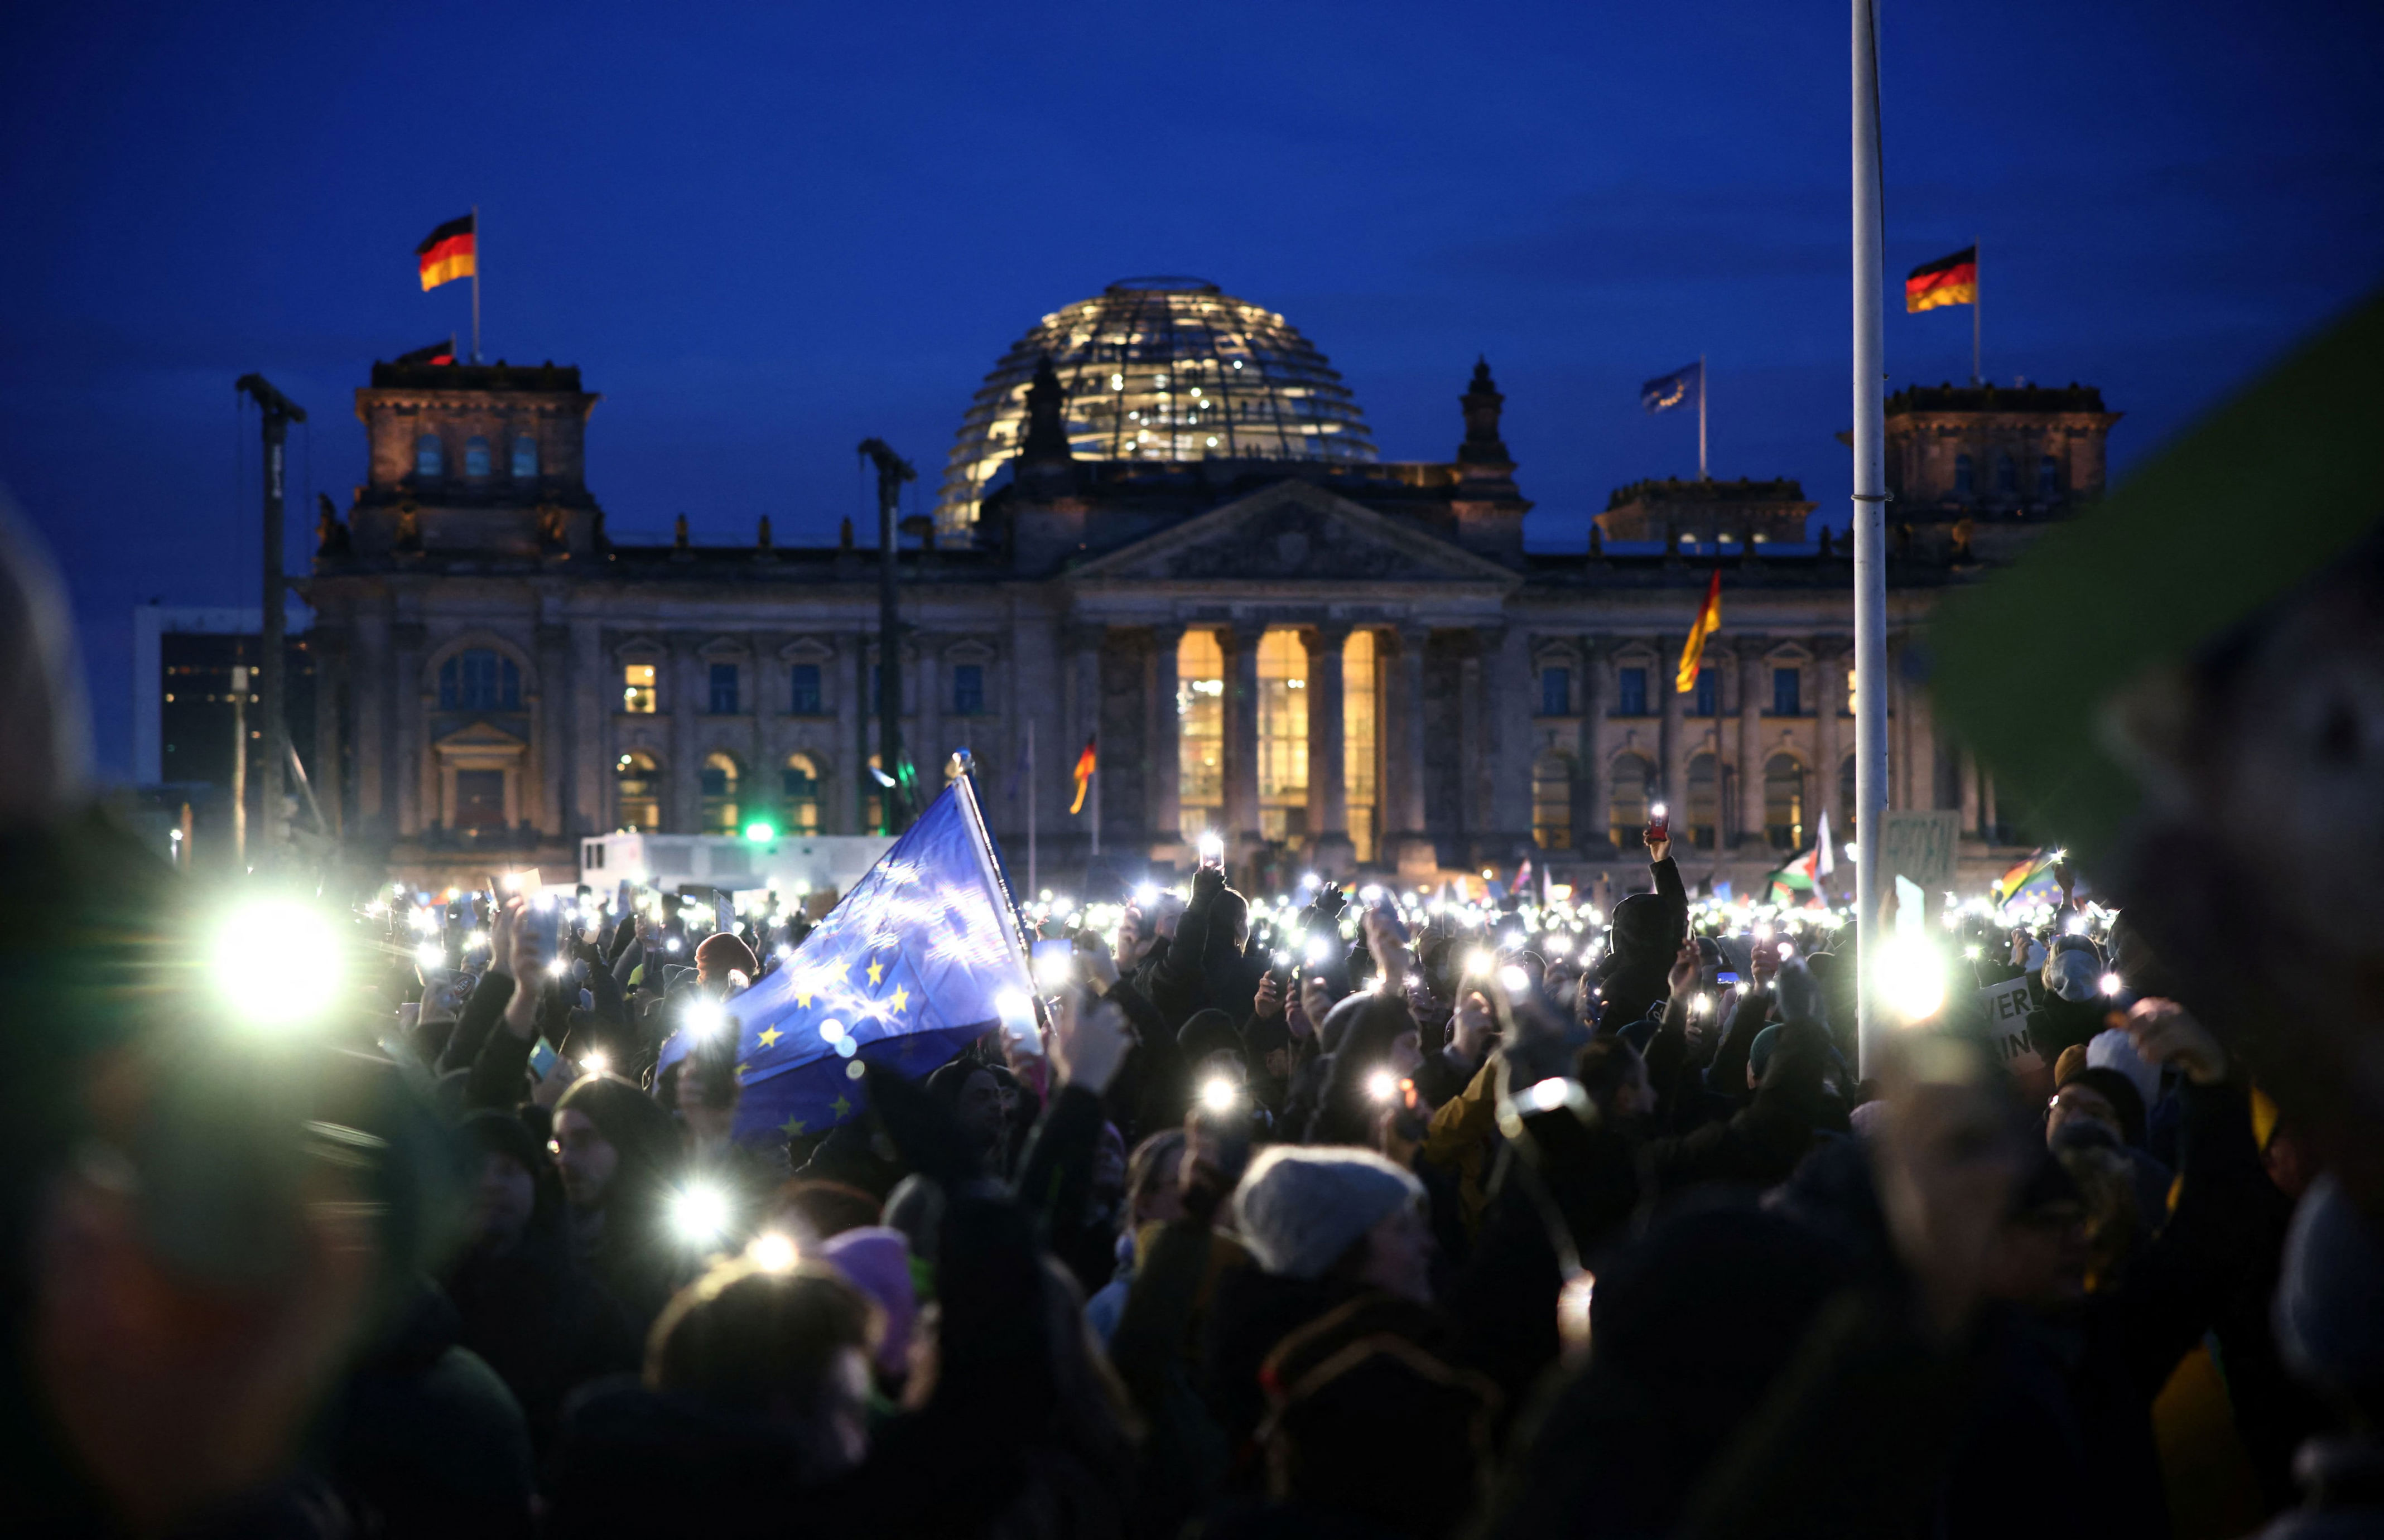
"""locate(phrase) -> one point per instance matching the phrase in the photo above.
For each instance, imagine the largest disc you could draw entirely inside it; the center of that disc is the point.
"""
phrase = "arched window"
(1626, 806)
(429, 456)
(476, 457)
(2048, 479)
(1965, 480)
(1552, 800)
(1200, 732)
(800, 784)
(1705, 801)
(1784, 802)
(638, 787)
(525, 458)
(718, 780)
(481, 680)
(2007, 476)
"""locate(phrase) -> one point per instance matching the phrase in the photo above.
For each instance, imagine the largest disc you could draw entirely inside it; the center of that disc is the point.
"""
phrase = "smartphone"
(1390, 918)
(1659, 824)
(1212, 850)
(1054, 957)
(542, 918)
(541, 1058)
(1725, 980)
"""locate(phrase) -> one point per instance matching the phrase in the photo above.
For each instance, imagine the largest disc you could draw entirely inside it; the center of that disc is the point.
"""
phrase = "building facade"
(1333, 661)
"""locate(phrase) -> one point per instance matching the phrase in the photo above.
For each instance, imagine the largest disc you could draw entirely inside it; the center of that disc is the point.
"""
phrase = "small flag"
(1825, 857)
(448, 253)
(922, 957)
(1709, 621)
(1086, 762)
(1948, 280)
(437, 353)
(1681, 389)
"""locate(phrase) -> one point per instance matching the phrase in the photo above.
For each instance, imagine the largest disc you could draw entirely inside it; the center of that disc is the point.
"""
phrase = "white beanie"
(2076, 975)
(1301, 1207)
(2115, 1050)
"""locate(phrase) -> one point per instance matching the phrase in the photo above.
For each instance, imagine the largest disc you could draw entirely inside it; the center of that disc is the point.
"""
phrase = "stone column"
(1330, 851)
(411, 758)
(1990, 823)
(1595, 794)
(851, 757)
(592, 754)
(1970, 799)
(1476, 765)
(1408, 843)
(928, 750)
(1751, 830)
(1507, 711)
(1672, 750)
(554, 748)
(370, 700)
(1241, 647)
(1831, 661)
(1082, 688)
(1921, 738)
(683, 679)
(331, 667)
(1165, 769)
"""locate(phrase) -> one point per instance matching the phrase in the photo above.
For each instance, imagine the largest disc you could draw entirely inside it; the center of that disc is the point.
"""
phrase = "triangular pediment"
(1293, 531)
(482, 736)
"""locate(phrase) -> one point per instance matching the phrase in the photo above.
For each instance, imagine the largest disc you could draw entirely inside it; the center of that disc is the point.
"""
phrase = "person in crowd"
(622, 1159)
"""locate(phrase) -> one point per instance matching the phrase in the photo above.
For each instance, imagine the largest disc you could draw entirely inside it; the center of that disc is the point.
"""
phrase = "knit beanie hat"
(1301, 1205)
(1759, 1052)
(2115, 1050)
(876, 1261)
(2121, 1092)
(721, 952)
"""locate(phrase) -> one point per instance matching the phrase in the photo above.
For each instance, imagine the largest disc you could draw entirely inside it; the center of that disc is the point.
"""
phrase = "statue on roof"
(330, 535)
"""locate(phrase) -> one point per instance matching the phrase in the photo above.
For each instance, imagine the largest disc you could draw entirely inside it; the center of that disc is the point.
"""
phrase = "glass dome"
(1160, 368)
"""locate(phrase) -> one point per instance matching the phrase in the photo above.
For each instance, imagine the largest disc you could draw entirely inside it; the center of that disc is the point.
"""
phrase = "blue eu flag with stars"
(923, 957)
(1681, 388)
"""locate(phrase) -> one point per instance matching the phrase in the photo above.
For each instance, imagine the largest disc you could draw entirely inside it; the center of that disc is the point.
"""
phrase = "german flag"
(1086, 762)
(1948, 280)
(437, 353)
(447, 253)
(1709, 621)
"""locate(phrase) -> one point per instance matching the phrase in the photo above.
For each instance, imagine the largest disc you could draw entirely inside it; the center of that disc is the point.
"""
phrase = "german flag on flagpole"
(1086, 762)
(1948, 280)
(437, 353)
(1709, 621)
(448, 252)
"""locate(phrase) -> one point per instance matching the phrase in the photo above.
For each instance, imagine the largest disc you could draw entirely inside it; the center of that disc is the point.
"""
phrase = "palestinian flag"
(1709, 621)
(1948, 280)
(1086, 762)
(450, 252)
(437, 353)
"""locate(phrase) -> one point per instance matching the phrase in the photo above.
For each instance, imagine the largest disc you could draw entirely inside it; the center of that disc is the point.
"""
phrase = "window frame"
(721, 683)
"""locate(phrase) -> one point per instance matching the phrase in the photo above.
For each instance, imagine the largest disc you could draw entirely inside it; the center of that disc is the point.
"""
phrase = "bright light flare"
(430, 954)
(1480, 962)
(700, 1213)
(773, 1252)
(1220, 1094)
(1319, 949)
(1910, 978)
(307, 961)
(1382, 1086)
(1513, 979)
(2111, 985)
(703, 1019)
(594, 1061)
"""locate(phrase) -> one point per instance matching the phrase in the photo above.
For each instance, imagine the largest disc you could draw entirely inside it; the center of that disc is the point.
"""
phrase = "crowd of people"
(1313, 1228)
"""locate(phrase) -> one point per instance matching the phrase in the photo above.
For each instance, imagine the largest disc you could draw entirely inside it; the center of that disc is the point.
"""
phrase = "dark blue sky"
(764, 236)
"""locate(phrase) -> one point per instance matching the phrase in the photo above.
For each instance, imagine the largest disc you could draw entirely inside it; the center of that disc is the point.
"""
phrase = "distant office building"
(182, 715)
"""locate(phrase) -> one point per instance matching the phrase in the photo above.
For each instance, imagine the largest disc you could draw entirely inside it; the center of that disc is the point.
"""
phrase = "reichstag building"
(1163, 527)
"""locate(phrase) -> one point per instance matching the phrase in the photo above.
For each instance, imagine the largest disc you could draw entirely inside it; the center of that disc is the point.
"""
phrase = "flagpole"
(1034, 884)
(1702, 386)
(1096, 778)
(1869, 531)
(1978, 304)
(475, 283)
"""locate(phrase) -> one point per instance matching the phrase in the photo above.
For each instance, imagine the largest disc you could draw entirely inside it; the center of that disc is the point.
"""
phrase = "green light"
(761, 834)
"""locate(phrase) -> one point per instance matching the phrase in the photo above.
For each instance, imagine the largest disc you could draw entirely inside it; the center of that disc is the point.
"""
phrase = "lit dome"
(1160, 368)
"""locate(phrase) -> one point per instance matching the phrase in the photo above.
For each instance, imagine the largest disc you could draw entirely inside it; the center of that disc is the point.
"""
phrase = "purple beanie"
(876, 1261)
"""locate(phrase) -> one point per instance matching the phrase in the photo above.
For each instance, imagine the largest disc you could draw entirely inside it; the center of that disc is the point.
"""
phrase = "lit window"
(636, 783)
(1783, 802)
(1552, 802)
(723, 689)
(1787, 692)
(968, 689)
(799, 783)
(718, 782)
(638, 688)
(479, 680)
(1630, 692)
(476, 457)
(805, 701)
(429, 458)
(1200, 732)
(1556, 691)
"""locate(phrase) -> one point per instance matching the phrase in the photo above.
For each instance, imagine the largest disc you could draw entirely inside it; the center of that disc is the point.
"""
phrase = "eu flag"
(923, 957)
(1679, 388)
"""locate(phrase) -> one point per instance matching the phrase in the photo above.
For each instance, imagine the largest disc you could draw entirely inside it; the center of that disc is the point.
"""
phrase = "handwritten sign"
(2006, 1008)
(1921, 846)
